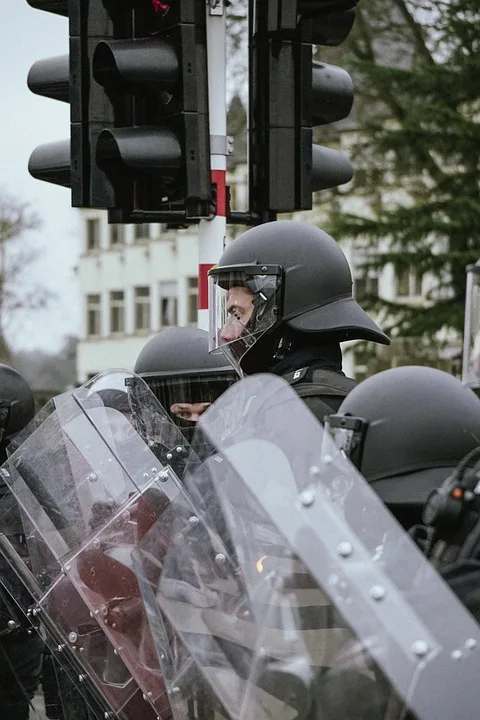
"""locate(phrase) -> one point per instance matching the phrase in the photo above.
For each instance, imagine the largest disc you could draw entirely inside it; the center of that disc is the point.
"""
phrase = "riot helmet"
(114, 398)
(279, 278)
(17, 404)
(406, 429)
(181, 373)
(118, 401)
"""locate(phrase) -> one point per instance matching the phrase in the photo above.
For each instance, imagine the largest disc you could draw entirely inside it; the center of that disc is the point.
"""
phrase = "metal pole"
(211, 233)
(258, 112)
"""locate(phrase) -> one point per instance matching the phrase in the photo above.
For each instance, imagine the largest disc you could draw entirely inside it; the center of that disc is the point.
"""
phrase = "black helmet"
(406, 429)
(17, 404)
(178, 368)
(114, 398)
(299, 279)
(179, 351)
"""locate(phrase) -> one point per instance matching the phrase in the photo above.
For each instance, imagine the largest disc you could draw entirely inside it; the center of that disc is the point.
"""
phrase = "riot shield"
(88, 485)
(190, 696)
(295, 591)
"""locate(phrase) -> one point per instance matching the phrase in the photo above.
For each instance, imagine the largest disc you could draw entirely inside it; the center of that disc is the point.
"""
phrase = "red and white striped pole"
(211, 233)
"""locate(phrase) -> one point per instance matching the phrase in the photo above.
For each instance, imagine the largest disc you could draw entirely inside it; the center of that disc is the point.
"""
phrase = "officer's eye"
(235, 313)
(184, 414)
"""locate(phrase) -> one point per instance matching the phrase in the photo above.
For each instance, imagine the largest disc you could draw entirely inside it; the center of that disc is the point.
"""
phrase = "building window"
(168, 292)
(409, 282)
(155, 231)
(192, 302)
(403, 282)
(232, 191)
(93, 315)
(117, 236)
(365, 285)
(117, 311)
(142, 308)
(93, 234)
(142, 231)
(417, 282)
(365, 279)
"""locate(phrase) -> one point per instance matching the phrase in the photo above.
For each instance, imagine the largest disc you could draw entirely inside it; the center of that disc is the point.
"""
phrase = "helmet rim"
(340, 315)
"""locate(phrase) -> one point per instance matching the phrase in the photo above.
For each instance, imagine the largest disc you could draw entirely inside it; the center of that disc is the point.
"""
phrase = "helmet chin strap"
(284, 345)
(269, 349)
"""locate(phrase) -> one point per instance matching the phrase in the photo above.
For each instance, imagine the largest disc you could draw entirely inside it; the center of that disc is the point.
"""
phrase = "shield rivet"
(420, 648)
(345, 549)
(307, 497)
(377, 592)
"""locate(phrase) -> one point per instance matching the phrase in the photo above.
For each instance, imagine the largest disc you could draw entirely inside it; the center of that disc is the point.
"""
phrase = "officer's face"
(239, 312)
(189, 411)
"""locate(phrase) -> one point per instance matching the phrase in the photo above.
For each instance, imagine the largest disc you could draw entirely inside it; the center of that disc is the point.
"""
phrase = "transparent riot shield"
(294, 590)
(190, 695)
(88, 485)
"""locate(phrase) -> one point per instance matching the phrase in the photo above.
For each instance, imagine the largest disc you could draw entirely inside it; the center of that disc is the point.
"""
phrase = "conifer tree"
(416, 66)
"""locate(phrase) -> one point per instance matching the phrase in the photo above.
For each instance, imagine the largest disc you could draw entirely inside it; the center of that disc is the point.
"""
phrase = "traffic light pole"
(211, 233)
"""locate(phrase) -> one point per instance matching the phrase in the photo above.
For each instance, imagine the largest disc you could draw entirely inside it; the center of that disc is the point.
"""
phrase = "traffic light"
(290, 94)
(148, 109)
(139, 135)
(50, 78)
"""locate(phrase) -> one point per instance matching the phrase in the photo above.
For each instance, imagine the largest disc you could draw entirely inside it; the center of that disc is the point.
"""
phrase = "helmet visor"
(348, 434)
(244, 304)
(186, 398)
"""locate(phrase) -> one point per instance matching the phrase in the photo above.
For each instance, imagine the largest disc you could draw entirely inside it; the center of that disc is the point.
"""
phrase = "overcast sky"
(27, 120)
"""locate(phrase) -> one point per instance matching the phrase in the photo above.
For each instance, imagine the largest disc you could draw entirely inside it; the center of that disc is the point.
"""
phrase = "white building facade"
(135, 280)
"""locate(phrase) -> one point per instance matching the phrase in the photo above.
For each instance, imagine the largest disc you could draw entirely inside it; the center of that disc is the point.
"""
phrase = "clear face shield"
(244, 304)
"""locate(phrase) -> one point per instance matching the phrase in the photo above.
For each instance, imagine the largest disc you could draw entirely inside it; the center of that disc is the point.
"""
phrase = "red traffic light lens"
(160, 6)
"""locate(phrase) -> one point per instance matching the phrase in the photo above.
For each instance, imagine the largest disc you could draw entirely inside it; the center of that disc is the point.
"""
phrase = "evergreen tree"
(416, 65)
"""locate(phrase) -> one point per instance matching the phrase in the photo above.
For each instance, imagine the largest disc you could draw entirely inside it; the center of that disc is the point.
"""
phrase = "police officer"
(414, 432)
(24, 659)
(406, 429)
(181, 373)
(282, 302)
(452, 517)
(21, 647)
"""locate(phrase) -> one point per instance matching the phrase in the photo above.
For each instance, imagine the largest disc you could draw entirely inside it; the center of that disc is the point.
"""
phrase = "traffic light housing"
(137, 87)
(290, 94)
(50, 78)
(150, 148)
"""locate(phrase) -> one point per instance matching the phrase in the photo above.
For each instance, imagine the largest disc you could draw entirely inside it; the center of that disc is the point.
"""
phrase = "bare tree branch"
(17, 256)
